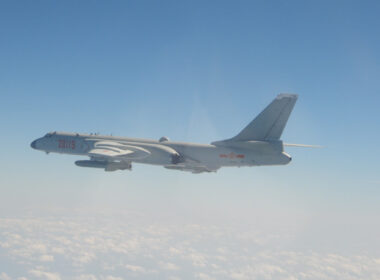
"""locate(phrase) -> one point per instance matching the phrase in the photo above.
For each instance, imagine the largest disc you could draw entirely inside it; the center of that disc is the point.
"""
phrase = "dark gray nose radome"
(33, 144)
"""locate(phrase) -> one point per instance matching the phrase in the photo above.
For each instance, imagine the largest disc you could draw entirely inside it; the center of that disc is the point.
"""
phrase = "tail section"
(270, 123)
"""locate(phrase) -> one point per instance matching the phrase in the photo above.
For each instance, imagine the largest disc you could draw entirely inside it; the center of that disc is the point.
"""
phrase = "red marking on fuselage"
(66, 144)
(232, 155)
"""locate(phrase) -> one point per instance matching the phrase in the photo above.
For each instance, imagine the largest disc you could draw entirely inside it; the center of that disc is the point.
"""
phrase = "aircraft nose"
(33, 144)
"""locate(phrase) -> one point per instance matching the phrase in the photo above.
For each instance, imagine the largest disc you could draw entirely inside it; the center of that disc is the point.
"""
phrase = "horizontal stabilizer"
(302, 145)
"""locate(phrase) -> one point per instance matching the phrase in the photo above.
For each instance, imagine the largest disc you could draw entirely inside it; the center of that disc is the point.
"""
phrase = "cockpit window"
(49, 134)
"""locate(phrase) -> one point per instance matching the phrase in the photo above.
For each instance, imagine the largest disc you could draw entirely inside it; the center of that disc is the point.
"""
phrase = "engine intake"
(177, 158)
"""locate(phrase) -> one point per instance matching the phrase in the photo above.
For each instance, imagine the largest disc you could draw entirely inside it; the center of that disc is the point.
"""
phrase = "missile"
(108, 166)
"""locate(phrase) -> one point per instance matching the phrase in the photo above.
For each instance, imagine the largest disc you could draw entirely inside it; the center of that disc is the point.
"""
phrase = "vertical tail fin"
(270, 123)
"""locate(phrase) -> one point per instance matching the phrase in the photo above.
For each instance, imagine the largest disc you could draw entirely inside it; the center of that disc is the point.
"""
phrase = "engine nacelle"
(177, 158)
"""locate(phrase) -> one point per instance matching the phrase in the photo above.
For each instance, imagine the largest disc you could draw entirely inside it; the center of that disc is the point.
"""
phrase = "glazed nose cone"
(33, 144)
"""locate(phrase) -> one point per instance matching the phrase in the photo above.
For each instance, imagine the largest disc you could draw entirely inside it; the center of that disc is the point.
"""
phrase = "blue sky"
(197, 71)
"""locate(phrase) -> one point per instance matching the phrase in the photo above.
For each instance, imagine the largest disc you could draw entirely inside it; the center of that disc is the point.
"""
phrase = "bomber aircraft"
(256, 145)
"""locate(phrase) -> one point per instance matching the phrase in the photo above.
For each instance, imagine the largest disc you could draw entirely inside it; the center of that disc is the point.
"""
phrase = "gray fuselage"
(248, 153)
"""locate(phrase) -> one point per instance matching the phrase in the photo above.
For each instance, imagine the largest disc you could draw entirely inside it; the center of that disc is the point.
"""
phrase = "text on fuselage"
(66, 144)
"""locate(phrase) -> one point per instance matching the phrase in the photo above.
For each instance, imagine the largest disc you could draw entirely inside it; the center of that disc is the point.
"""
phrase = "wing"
(114, 151)
(192, 165)
(192, 169)
(109, 153)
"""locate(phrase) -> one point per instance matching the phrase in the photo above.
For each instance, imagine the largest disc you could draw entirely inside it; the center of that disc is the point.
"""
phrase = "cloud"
(203, 276)
(84, 248)
(4, 276)
(86, 277)
(46, 258)
(44, 274)
(113, 278)
(135, 268)
(197, 259)
(169, 266)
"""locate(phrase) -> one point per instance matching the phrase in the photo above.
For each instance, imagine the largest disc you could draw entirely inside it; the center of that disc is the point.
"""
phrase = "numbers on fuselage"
(66, 144)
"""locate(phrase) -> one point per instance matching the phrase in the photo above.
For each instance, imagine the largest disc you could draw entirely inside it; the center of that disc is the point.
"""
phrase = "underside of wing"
(192, 169)
(193, 166)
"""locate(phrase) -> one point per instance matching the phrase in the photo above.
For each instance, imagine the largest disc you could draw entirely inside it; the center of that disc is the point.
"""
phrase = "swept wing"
(110, 150)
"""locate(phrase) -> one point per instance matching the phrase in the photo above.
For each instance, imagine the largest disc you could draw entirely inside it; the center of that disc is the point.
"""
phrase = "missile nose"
(33, 144)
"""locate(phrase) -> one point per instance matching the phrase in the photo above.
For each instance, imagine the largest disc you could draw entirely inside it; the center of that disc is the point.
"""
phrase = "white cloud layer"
(88, 248)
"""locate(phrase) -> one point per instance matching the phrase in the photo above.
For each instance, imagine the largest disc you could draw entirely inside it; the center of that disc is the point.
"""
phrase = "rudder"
(270, 123)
